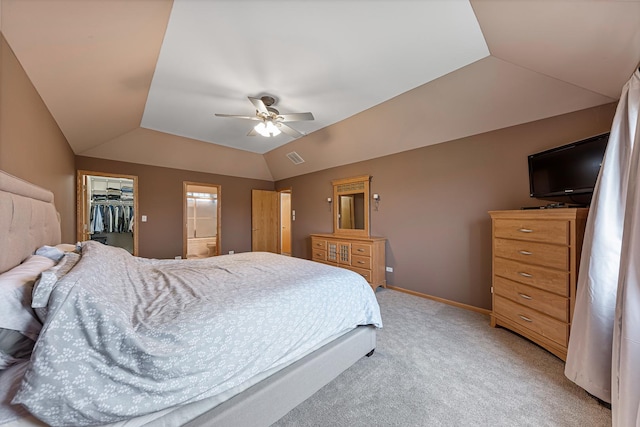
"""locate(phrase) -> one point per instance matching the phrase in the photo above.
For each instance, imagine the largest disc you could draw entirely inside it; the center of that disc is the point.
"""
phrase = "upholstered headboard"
(28, 220)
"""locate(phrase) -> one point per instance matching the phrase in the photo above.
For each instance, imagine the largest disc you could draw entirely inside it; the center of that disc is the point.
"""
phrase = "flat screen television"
(567, 173)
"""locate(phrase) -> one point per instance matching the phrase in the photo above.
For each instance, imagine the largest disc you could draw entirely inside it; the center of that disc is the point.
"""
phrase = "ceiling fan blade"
(295, 117)
(252, 132)
(288, 130)
(257, 102)
(238, 117)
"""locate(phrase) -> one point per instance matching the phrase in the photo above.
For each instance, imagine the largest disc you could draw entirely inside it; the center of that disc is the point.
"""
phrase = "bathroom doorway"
(201, 235)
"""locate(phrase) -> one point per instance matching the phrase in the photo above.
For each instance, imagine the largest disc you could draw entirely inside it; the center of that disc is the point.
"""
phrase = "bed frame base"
(271, 399)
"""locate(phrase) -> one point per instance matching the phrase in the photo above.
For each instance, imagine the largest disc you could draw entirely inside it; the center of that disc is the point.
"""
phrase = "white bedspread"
(126, 336)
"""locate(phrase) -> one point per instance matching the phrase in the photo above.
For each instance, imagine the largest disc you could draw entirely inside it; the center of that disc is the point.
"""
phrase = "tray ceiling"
(119, 74)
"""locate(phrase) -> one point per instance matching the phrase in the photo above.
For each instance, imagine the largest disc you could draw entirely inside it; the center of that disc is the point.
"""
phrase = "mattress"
(250, 404)
(128, 341)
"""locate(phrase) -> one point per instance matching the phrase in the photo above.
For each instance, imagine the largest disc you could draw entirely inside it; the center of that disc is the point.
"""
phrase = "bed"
(127, 341)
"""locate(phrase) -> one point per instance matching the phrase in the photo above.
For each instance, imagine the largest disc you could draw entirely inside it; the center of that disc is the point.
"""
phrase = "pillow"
(68, 247)
(50, 252)
(44, 286)
(16, 314)
(57, 252)
(14, 347)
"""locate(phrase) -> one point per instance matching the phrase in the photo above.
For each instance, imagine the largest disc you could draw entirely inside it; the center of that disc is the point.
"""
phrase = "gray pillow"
(47, 282)
(19, 326)
(14, 347)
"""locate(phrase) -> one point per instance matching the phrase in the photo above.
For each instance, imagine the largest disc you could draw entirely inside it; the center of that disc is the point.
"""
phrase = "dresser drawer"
(365, 256)
(540, 277)
(548, 231)
(318, 244)
(554, 305)
(319, 255)
(361, 271)
(360, 249)
(361, 261)
(553, 256)
(530, 319)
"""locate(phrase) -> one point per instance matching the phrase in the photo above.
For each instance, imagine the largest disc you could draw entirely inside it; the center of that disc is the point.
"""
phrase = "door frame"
(81, 204)
(277, 206)
(185, 217)
(288, 190)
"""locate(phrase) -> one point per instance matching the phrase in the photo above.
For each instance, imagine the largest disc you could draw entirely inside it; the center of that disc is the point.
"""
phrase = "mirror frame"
(349, 186)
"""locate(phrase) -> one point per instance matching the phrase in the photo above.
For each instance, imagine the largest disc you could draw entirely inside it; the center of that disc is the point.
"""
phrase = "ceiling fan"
(272, 123)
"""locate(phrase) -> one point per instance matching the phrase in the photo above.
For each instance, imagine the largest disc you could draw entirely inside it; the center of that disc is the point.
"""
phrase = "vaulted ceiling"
(140, 80)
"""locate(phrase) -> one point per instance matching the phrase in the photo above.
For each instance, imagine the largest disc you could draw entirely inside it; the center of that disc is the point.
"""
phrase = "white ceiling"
(140, 80)
(332, 58)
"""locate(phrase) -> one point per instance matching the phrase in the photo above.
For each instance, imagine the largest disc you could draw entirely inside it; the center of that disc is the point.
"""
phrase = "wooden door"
(264, 221)
(347, 217)
(82, 205)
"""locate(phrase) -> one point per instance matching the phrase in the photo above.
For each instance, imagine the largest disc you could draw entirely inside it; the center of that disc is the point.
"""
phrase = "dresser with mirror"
(351, 246)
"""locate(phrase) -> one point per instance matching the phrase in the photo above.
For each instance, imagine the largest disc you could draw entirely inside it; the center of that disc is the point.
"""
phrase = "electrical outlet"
(231, 252)
(178, 257)
(389, 269)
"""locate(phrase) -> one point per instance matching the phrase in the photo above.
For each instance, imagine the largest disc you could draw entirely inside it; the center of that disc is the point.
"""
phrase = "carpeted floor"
(438, 365)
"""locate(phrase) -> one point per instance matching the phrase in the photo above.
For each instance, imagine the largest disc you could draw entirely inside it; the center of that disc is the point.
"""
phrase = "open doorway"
(201, 235)
(285, 222)
(106, 209)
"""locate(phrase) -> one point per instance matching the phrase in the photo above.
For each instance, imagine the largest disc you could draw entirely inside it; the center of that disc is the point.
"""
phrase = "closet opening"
(201, 233)
(107, 206)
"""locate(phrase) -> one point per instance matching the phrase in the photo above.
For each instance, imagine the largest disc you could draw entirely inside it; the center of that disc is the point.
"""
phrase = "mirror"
(351, 211)
(351, 207)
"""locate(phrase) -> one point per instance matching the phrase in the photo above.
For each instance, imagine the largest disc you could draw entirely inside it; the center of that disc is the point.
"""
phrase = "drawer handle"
(525, 296)
(525, 318)
(523, 274)
(525, 230)
(526, 253)
(360, 250)
(360, 262)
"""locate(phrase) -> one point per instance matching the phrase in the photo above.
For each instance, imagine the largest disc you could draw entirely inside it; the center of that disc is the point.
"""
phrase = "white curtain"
(625, 392)
(605, 331)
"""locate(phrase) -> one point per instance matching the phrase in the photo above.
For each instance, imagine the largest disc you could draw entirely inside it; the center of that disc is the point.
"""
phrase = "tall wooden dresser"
(536, 255)
(364, 255)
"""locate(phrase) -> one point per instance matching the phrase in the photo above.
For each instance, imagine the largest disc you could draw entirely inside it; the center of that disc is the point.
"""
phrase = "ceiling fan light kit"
(267, 129)
(271, 121)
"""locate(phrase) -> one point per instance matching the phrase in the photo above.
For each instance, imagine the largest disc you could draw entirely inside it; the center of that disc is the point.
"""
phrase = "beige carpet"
(437, 365)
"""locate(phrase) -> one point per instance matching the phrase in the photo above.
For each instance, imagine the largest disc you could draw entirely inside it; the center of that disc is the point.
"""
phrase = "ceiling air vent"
(295, 158)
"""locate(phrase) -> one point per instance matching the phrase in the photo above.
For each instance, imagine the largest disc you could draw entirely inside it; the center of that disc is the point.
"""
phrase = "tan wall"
(160, 198)
(433, 199)
(32, 147)
(434, 202)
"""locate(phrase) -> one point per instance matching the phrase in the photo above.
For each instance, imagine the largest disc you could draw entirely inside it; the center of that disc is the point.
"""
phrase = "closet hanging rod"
(120, 180)
(112, 202)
